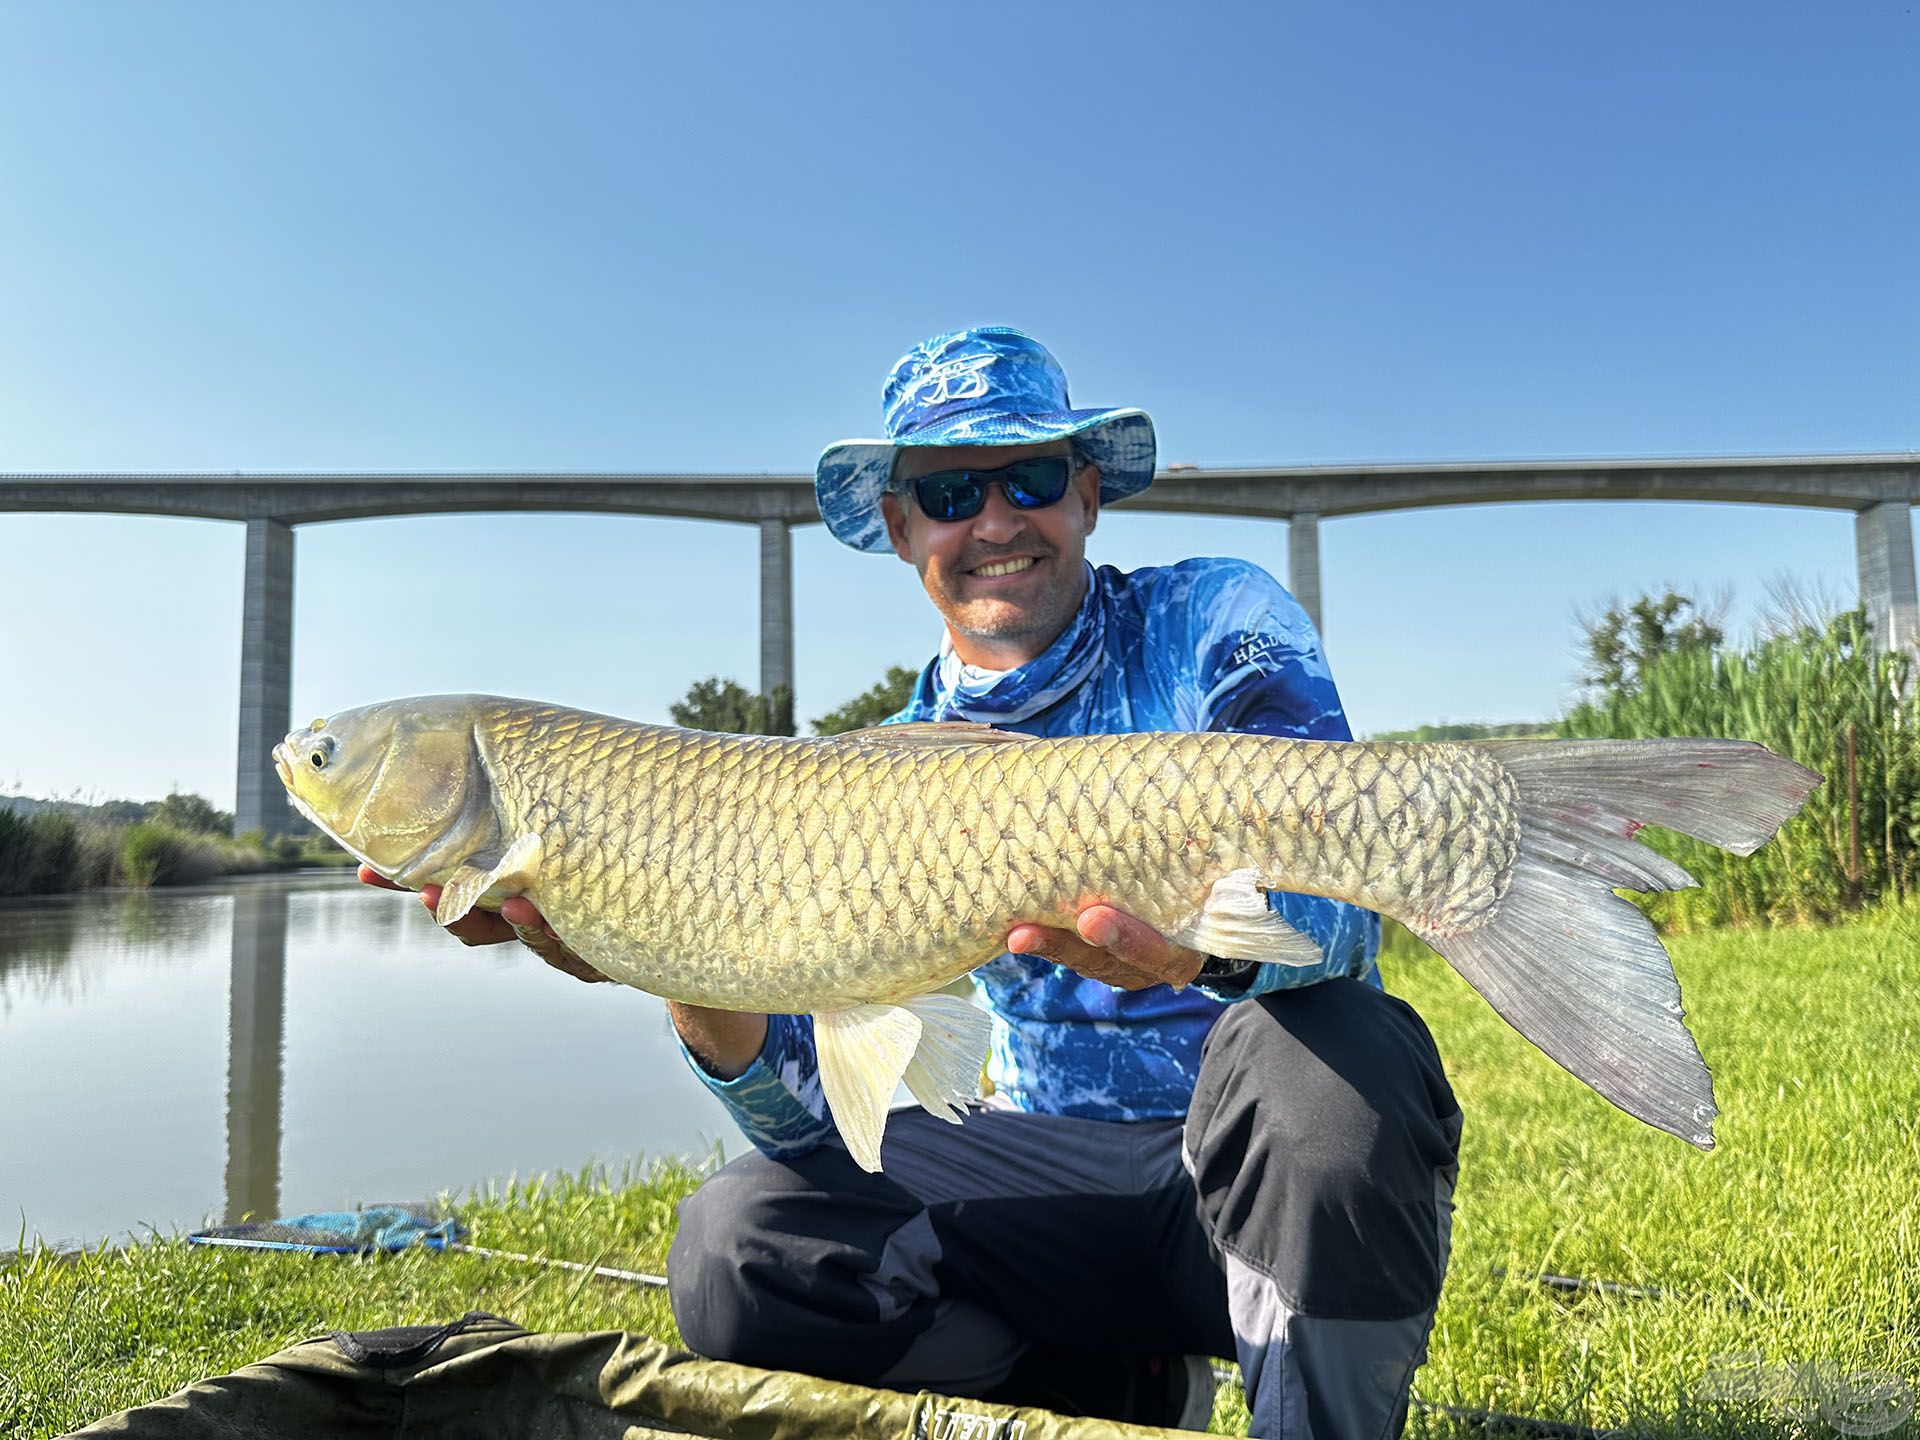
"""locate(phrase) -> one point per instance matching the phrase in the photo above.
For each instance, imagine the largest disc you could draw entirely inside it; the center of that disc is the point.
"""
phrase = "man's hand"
(517, 919)
(1111, 946)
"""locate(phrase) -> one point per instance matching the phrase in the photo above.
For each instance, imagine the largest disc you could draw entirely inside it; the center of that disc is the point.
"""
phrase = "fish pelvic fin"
(945, 1071)
(935, 1043)
(1236, 923)
(1577, 969)
(470, 885)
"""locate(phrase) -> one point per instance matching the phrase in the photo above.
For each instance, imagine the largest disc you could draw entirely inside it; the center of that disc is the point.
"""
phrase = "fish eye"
(319, 758)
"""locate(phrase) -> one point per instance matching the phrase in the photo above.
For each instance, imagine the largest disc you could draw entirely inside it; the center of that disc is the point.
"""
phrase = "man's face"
(1007, 581)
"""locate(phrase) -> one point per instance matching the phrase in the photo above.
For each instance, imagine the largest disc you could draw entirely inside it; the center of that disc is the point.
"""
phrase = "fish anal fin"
(931, 734)
(470, 885)
(1235, 923)
(864, 1052)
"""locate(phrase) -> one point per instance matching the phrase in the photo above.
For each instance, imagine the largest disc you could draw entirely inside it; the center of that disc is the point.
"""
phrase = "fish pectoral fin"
(469, 885)
(924, 734)
(945, 1071)
(864, 1053)
(1236, 923)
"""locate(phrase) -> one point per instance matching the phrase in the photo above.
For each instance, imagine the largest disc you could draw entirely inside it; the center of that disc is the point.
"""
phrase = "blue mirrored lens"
(959, 494)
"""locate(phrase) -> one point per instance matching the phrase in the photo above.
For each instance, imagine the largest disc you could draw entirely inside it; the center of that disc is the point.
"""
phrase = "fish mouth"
(283, 765)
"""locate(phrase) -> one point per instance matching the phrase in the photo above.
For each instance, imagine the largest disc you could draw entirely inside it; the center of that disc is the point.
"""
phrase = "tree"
(872, 706)
(729, 707)
(193, 813)
(1621, 642)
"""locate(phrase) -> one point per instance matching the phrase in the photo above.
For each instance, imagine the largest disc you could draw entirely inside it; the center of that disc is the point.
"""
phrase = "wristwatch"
(1226, 974)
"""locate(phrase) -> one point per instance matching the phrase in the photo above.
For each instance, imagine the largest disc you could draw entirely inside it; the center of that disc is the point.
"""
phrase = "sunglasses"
(960, 494)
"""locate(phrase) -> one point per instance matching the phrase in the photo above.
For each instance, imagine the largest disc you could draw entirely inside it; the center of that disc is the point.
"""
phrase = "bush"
(156, 854)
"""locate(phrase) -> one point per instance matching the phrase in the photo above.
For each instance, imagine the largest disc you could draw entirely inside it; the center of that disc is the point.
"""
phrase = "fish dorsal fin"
(1236, 924)
(469, 885)
(936, 1043)
(915, 734)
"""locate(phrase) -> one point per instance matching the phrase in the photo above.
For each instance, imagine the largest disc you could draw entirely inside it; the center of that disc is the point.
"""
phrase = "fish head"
(391, 782)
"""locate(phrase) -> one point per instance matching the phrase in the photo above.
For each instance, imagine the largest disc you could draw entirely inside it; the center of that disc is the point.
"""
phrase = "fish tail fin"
(1574, 967)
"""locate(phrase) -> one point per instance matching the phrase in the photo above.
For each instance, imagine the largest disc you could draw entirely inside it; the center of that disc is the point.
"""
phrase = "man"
(1181, 1156)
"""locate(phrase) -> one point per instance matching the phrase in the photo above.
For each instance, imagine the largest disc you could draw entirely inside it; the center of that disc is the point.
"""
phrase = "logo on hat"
(967, 371)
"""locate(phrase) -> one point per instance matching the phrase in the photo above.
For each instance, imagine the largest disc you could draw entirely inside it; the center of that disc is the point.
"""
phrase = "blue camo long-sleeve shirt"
(1208, 644)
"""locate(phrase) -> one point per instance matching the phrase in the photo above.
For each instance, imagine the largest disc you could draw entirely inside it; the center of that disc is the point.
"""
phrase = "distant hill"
(107, 812)
(194, 814)
(1520, 730)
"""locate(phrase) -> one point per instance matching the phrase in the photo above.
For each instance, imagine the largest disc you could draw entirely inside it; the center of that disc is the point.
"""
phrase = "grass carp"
(852, 877)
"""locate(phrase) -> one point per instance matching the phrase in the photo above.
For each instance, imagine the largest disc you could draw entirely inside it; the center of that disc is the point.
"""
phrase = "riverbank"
(1784, 1262)
(59, 852)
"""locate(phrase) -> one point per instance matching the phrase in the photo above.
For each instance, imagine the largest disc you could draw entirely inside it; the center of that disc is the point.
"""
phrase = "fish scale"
(851, 877)
(1152, 818)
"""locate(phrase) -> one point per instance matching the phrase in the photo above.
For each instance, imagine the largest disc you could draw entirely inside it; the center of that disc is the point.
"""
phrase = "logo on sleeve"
(1263, 652)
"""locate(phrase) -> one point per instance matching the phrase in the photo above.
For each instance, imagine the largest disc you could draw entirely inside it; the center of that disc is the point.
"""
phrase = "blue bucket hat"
(990, 385)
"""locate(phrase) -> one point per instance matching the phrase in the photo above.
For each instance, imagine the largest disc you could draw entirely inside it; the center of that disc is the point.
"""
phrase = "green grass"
(1808, 1213)
(1797, 1241)
(87, 1335)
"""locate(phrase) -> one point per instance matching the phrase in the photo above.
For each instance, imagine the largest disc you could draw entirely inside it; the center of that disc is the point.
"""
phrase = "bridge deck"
(1836, 482)
(1879, 489)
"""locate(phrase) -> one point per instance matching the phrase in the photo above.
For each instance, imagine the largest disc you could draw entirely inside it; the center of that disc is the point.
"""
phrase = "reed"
(1820, 694)
(178, 841)
(40, 854)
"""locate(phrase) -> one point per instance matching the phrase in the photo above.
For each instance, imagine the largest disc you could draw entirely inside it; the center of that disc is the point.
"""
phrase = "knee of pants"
(706, 1264)
(1323, 1139)
(1335, 1081)
(801, 1264)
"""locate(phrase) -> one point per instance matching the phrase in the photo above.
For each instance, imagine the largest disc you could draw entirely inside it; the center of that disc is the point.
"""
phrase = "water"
(282, 1044)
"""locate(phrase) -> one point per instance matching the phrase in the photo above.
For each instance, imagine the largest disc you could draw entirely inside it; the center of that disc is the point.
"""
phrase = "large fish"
(853, 877)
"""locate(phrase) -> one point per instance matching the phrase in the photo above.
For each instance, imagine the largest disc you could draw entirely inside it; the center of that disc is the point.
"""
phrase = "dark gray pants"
(1299, 1219)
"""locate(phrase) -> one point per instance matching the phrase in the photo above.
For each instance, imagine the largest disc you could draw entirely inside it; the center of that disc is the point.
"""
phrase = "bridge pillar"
(266, 677)
(776, 606)
(256, 1034)
(1883, 545)
(1303, 563)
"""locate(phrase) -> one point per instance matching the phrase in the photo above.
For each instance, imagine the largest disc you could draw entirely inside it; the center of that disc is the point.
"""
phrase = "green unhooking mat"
(483, 1377)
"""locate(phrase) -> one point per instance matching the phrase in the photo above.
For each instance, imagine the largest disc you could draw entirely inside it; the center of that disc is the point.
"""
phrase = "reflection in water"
(297, 1043)
(60, 946)
(256, 1017)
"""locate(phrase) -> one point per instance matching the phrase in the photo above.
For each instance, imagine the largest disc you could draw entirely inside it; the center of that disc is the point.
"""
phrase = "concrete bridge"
(1880, 490)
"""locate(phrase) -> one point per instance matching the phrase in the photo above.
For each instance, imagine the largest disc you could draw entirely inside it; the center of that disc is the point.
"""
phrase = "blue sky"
(633, 237)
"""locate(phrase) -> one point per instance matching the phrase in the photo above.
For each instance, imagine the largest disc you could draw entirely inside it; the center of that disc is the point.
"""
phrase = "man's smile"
(1013, 565)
